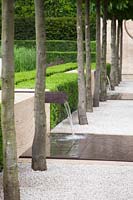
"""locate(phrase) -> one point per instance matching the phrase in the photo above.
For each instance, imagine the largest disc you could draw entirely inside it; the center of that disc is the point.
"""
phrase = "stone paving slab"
(122, 92)
(112, 117)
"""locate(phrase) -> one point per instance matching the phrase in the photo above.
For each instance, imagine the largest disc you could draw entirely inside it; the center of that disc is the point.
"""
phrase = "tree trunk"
(89, 102)
(98, 56)
(113, 73)
(121, 49)
(39, 143)
(103, 74)
(117, 53)
(10, 175)
(80, 59)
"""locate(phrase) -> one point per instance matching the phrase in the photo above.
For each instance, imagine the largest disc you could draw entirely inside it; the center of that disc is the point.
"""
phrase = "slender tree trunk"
(89, 101)
(113, 53)
(10, 176)
(80, 58)
(98, 56)
(103, 75)
(121, 49)
(117, 54)
(39, 143)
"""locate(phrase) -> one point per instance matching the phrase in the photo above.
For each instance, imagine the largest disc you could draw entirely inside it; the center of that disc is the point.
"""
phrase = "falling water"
(109, 83)
(73, 136)
(68, 110)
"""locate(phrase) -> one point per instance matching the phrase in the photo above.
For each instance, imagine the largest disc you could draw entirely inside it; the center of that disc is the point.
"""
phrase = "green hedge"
(54, 45)
(61, 28)
(68, 84)
(25, 58)
(58, 82)
(30, 75)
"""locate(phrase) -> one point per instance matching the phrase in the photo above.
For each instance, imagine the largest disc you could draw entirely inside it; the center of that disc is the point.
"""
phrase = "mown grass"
(27, 79)
(30, 75)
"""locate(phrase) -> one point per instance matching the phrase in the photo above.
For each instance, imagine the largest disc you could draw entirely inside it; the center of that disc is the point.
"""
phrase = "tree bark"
(10, 175)
(98, 56)
(121, 49)
(103, 74)
(117, 54)
(80, 59)
(39, 142)
(113, 73)
(89, 101)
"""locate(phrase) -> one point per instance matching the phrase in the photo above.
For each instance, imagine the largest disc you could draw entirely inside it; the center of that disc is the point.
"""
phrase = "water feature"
(69, 114)
(73, 136)
(109, 84)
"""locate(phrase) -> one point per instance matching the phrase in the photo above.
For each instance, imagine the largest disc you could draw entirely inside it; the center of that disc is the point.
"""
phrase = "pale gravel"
(76, 180)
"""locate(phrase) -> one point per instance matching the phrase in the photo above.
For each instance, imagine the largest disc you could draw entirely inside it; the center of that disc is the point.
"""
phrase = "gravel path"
(76, 180)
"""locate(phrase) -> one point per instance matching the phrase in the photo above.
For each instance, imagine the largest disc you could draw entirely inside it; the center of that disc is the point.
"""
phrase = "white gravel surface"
(76, 180)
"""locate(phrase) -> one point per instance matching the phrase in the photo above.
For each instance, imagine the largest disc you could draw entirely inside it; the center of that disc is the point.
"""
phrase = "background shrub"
(54, 45)
(68, 84)
(59, 28)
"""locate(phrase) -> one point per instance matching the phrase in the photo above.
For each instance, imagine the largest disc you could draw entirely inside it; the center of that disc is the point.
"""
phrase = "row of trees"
(10, 177)
(116, 12)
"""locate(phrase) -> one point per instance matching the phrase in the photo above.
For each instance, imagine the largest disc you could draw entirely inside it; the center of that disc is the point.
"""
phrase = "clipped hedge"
(58, 82)
(26, 75)
(68, 84)
(59, 28)
(54, 45)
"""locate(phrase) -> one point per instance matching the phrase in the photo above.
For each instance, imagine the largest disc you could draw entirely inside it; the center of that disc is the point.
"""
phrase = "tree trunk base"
(82, 119)
(95, 103)
(39, 164)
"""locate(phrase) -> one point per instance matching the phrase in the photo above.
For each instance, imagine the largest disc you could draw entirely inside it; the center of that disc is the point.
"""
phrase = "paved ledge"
(122, 92)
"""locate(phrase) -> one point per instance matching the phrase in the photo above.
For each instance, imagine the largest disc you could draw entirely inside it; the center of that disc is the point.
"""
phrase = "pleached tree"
(103, 74)
(89, 100)
(114, 73)
(118, 50)
(81, 77)
(98, 57)
(121, 49)
(39, 142)
(10, 174)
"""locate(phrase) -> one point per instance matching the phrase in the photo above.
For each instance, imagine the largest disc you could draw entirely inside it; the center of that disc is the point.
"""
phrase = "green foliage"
(52, 45)
(30, 75)
(68, 84)
(121, 9)
(93, 66)
(25, 58)
(61, 28)
(56, 81)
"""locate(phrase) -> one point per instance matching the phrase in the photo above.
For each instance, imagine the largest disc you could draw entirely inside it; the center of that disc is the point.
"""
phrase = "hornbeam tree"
(39, 142)
(98, 57)
(113, 73)
(10, 175)
(121, 49)
(103, 74)
(118, 10)
(80, 58)
(89, 101)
